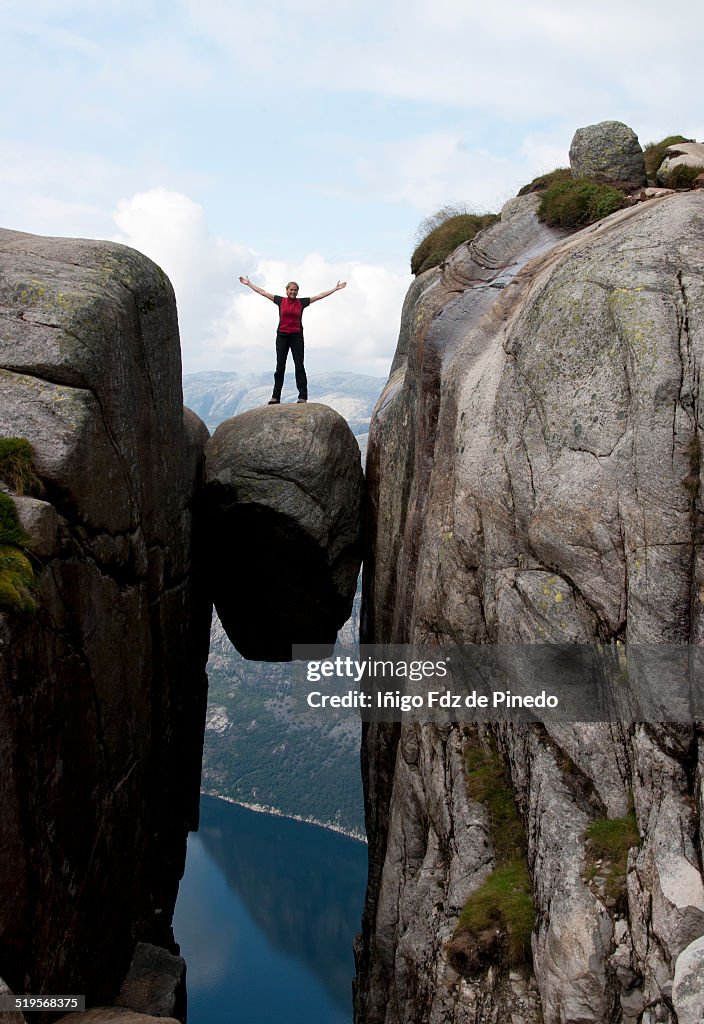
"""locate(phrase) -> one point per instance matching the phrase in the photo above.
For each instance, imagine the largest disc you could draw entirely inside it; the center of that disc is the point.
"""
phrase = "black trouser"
(284, 342)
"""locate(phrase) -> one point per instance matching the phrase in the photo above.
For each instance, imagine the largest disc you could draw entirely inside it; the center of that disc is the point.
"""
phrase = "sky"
(307, 140)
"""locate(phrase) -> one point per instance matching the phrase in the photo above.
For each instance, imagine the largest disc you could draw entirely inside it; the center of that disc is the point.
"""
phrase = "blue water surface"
(265, 918)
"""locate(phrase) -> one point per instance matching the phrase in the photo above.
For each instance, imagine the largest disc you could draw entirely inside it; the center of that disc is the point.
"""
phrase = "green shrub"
(445, 231)
(497, 920)
(654, 153)
(17, 466)
(608, 843)
(545, 181)
(576, 203)
(683, 175)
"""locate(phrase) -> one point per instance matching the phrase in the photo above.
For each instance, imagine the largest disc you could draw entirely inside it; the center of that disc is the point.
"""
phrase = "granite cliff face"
(102, 690)
(534, 476)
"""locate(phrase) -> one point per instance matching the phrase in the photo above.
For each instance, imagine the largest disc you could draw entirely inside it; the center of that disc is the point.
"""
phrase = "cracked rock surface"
(534, 476)
(284, 496)
(102, 691)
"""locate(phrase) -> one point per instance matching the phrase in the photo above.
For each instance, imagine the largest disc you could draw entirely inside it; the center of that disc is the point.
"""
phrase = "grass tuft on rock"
(683, 175)
(17, 466)
(576, 203)
(545, 181)
(504, 903)
(654, 153)
(608, 841)
(443, 232)
(497, 920)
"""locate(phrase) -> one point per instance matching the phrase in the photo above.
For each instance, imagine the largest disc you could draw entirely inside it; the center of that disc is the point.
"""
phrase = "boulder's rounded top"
(609, 151)
(271, 437)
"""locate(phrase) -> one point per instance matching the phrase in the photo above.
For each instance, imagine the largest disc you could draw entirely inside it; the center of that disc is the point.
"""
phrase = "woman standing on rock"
(289, 334)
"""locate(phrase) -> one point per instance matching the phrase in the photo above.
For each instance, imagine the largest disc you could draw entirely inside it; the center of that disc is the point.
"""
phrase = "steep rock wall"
(102, 690)
(534, 476)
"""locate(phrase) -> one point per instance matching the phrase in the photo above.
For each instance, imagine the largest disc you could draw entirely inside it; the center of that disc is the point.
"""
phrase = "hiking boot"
(301, 400)
(274, 401)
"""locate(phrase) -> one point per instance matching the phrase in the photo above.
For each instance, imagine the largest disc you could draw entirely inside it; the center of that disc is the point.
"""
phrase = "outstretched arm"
(260, 291)
(324, 295)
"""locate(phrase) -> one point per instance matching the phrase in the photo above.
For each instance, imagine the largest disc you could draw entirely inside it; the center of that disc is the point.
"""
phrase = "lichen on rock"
(608, 151)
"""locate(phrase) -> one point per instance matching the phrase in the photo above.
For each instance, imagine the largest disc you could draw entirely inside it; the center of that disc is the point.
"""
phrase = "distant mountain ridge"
(215, 395)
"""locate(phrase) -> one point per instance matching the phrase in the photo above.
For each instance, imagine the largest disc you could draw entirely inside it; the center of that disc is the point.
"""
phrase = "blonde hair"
(295, 283)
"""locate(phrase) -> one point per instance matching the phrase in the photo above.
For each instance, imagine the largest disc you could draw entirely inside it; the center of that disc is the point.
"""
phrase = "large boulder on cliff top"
(284, 492)
(608, 151)
(102, 691)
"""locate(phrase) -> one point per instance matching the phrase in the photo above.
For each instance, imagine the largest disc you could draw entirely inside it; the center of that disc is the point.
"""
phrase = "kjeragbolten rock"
(284, 520)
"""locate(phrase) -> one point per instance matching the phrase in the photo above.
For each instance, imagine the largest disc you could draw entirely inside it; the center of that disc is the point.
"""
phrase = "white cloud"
(226, 326)
(436, 169)
(355, 329)
(521, 61)
(171, 229)
(141, 105)
(56, 191)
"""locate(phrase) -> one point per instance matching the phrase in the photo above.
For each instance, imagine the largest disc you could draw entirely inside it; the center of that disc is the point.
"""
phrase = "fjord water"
(266, 915)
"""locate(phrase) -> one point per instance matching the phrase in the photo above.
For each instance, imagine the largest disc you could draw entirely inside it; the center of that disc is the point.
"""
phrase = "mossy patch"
(576, 203)
(17, 466)
(488, 784)
(545, 181)
(16, 575)
(497, 920)
(16, 581)
(444, 238)
(10, 529)
(608, 841)
(654, 153)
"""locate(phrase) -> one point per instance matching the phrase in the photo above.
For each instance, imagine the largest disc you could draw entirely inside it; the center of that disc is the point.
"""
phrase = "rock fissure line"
(316, 498)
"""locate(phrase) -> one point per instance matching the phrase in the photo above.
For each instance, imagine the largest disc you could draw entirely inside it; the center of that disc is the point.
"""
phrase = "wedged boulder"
(102, 690)
(609, 151)
(284, 489)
